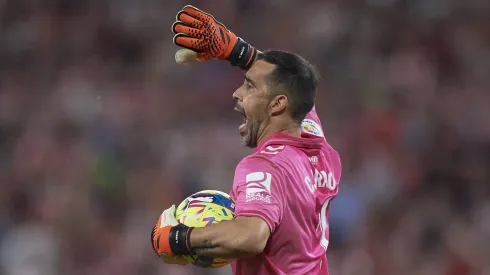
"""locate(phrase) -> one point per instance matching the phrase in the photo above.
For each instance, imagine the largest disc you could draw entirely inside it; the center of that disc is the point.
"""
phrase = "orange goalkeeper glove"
(170, 239)
(200, 32)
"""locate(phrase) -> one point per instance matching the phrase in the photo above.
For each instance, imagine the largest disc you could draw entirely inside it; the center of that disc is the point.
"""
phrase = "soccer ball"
(202, 209)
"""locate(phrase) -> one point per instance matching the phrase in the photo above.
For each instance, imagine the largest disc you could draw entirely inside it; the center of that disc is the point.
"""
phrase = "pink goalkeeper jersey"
(289, 182)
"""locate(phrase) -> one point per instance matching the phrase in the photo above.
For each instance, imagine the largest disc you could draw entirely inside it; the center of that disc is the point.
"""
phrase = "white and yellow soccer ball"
(202, 209)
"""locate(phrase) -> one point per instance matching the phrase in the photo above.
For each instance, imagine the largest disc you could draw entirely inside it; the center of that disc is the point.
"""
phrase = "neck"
(291, 129)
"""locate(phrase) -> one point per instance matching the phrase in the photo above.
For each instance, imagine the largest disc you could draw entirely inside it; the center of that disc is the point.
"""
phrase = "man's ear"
(278, 105)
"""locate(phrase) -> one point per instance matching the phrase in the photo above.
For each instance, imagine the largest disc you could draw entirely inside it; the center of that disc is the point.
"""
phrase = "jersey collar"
(281, 138)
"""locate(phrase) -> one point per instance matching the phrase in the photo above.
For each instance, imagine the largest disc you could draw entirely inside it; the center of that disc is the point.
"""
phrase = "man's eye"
(249, 85)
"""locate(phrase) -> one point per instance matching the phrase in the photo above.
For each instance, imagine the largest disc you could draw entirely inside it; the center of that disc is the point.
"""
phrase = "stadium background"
(100, 129)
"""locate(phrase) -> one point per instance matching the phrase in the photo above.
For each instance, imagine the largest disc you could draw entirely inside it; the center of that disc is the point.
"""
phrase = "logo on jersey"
(314, 160)
(258, 187)
(311, 127)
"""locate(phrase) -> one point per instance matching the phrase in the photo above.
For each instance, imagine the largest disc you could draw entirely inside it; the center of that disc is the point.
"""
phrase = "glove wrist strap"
(180, 241)
(242, 55)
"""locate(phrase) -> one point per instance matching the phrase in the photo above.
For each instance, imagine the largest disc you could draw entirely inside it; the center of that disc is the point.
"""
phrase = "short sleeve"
(258, 189)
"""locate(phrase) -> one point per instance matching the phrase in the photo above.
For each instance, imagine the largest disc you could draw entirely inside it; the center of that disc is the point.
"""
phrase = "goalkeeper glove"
(200, 32)
(171, 238)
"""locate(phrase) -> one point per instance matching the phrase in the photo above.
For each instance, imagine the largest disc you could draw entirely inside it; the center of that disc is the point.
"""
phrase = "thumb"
(172, 209)
(186, 56)
(171, 216)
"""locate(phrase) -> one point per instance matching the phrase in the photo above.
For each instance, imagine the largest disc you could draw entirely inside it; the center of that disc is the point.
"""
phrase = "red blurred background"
(100, 129)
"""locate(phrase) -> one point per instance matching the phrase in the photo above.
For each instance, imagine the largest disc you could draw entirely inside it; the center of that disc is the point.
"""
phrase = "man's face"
(253, 102)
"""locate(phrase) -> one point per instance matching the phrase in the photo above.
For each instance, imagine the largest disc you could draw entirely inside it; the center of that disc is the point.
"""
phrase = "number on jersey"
(323, 224)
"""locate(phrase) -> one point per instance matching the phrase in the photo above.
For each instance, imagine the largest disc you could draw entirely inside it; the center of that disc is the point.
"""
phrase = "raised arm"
(204, 38)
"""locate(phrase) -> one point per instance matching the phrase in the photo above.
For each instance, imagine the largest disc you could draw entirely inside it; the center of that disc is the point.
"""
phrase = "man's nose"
(236, 94)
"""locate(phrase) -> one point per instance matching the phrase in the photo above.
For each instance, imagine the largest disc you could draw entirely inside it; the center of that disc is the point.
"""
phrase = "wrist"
(242, 55)
(179, 239)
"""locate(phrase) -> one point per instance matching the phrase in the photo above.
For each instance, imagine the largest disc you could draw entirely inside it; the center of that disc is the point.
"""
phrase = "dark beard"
(251, 137)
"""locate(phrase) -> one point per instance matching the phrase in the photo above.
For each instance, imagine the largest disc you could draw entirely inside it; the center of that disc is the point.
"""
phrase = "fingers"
(195, 12)
(189, 20)
(180, 27)
(189, 27)
(198, 14)
(161, 241)
(153, 240)
(184, 41)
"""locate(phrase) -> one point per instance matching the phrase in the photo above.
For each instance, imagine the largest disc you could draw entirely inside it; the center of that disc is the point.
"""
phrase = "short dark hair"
(294, 76)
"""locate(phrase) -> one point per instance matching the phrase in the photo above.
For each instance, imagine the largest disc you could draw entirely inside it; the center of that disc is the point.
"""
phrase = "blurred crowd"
(100, 129)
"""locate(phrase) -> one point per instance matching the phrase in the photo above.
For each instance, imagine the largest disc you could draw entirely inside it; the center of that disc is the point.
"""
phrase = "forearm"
(232, 239)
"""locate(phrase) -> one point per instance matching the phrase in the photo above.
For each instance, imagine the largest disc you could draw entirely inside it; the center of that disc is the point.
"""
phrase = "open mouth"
(241, 128)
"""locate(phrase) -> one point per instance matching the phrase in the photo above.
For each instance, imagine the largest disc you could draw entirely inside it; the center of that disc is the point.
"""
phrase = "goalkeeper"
(284, 188)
